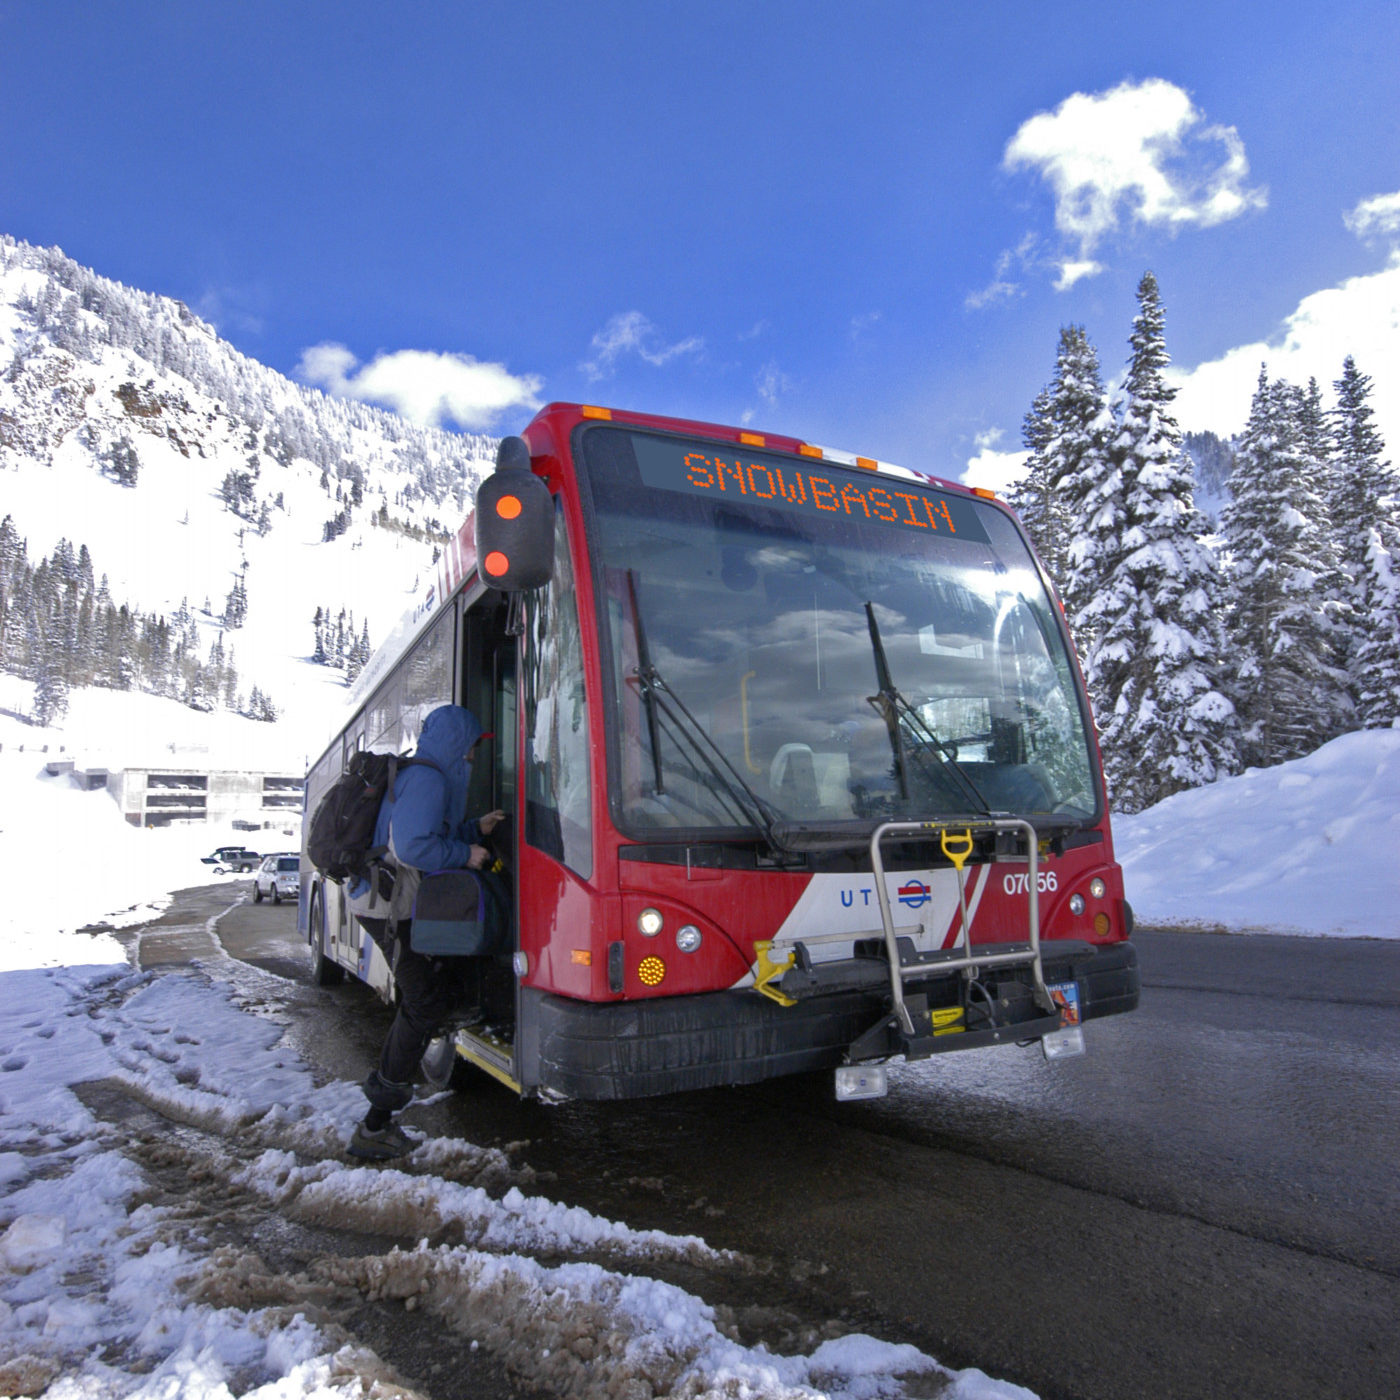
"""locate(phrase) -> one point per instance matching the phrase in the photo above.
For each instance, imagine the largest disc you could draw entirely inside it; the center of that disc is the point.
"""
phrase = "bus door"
(487, 687)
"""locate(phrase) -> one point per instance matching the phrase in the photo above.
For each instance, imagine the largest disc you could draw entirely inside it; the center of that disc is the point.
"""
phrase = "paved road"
(1202, 1206)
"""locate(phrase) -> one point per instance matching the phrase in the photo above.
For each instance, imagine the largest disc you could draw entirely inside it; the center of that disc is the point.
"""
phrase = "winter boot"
(380, 1145)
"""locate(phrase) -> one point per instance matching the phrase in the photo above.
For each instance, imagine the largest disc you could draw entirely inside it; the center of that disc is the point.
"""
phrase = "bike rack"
(952, 835)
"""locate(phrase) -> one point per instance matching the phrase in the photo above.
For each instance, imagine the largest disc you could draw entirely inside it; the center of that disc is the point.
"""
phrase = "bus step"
(490, 1049)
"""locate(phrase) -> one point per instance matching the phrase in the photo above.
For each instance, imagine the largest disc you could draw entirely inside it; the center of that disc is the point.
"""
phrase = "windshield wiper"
(897, 713)
(644, 669)
(661, 699)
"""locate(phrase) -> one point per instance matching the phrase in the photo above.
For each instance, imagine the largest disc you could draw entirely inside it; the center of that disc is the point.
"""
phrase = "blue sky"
(862, 224)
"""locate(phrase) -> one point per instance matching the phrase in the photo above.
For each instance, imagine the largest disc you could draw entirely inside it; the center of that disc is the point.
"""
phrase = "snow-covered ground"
(104, 1293)
(1309, 847)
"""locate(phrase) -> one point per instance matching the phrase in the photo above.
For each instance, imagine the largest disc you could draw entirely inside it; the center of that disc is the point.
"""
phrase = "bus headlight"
(1097, 888)
(688, 938)
(1076, 904)
(650, 922)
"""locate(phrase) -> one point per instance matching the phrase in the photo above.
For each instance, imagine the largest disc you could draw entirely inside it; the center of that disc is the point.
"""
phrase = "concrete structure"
(160, 796)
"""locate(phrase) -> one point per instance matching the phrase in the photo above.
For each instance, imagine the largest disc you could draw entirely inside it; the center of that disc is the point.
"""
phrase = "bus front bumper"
(666, 1045)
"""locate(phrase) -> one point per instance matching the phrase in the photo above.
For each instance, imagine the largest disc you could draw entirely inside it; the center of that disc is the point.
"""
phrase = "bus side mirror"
(514, 522)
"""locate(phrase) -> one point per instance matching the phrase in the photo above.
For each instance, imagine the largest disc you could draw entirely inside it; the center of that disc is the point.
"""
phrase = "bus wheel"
(324, 972)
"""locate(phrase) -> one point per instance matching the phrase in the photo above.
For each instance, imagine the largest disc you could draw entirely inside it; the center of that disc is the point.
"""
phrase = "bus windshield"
(791, 641)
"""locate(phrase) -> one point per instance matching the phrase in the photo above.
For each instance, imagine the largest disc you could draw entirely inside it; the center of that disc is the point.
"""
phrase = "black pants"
(429, 990)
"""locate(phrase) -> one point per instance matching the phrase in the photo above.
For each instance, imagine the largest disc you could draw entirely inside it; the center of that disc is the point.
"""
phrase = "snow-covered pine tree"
(1031, 496)
(236, 606)
(1288, 686)
(1090, 487)
(50, 690)
(1365, 485)
(1365, 515)
(1165, 724)
(357, 656)
(1077, 453)
(1376, 659)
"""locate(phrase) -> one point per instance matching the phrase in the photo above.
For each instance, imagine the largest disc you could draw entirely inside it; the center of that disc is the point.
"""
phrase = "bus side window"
(558, 798)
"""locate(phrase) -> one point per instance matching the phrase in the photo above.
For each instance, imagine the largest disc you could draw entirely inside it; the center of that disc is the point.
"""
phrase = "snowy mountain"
(208, 488)
(1211, 459)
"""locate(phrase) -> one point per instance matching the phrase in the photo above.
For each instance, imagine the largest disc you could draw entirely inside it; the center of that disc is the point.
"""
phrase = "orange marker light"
(508, 507)
(807, 450)
(751, 439)
(496, 563)
(868, 464)
(984, 493)
(589, 411)
(651, 971)
(581, 957)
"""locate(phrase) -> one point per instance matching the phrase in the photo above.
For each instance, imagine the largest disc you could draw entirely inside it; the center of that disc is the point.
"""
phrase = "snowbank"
(1311, 846)
(110, 1290)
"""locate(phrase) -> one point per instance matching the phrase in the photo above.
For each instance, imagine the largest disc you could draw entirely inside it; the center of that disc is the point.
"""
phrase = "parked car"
(232, 858)
(278, 876)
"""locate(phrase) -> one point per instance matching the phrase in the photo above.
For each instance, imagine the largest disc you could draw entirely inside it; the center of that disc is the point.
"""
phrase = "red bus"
(798, 762)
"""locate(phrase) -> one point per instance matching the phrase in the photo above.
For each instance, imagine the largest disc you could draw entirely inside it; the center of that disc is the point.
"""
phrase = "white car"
(278, 876)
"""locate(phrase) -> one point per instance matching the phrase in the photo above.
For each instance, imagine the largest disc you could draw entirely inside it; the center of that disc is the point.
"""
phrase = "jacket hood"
(447, 737)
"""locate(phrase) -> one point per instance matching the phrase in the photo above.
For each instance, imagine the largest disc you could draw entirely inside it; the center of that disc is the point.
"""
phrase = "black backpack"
(340, 842)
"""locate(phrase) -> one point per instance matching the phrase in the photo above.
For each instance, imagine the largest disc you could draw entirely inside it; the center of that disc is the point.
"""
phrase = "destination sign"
(781, 483)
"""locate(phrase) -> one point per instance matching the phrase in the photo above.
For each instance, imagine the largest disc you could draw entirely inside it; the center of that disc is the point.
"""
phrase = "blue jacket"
(426, 813)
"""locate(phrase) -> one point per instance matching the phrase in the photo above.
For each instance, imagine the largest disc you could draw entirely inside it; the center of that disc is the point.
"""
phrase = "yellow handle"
(957, 846)
(766, 970)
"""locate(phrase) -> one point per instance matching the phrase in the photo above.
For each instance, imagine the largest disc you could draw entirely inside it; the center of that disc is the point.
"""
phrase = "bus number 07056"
(1045, 881)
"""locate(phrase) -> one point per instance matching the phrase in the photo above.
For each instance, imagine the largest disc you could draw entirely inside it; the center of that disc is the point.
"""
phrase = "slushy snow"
(108, 1290)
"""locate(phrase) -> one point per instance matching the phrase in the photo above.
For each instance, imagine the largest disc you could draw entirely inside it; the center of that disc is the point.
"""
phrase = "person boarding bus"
(424, 827)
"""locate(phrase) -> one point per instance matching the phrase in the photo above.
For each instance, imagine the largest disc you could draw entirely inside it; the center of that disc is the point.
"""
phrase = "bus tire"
(324, 972)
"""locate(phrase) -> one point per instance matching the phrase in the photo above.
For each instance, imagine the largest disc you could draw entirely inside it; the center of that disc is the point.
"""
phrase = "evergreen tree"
(236, 605)
(1288, 687)
(1365, 515)
(358, 655)
(1365, 486)
(121, 460)
(1376, 660)
(1165, 724)
(50, 691)
(1032, 497)
(1075, 453)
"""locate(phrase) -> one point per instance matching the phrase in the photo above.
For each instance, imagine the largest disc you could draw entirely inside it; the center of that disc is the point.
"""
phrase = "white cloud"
(771, 383)
(1140, 152)
(1072, 271)
(630, 333)
(1377, 217)
(1360, 318)
(424, 386)
(993, 470)
(1001, 287)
